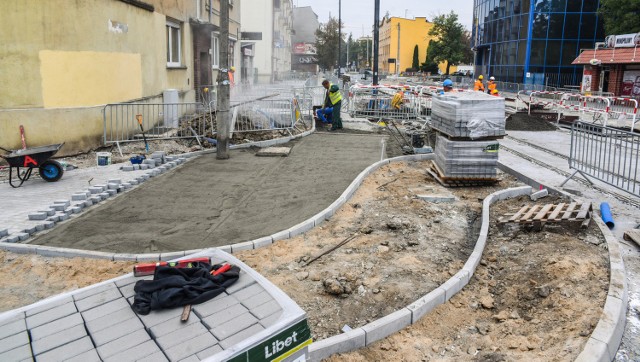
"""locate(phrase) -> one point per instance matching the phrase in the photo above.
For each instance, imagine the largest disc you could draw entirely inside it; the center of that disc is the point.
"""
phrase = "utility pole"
(339, 34)
(222, 113)
(376, 39)
(348, 41)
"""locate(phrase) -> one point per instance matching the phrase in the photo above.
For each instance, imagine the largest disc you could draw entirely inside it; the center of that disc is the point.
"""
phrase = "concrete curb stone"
(345, 342)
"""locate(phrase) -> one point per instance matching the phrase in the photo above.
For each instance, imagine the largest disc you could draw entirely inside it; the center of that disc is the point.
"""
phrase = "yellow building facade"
(62, 61)
(399, 36)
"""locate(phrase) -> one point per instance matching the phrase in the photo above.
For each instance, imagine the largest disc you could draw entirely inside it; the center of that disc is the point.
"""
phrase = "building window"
(173, 44)
(215, 51)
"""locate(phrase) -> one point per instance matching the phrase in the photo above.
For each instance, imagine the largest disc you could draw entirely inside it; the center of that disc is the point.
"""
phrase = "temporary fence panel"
(624, 111)
(384, 102)
(607, 154)
(597, 107)
(264, 115)
(123, 121)
(544, 99)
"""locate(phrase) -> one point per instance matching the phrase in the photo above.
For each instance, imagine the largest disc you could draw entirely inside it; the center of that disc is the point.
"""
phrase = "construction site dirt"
(535, 295)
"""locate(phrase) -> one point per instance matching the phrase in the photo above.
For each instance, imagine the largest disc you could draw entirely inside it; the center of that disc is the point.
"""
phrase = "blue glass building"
(534, 41)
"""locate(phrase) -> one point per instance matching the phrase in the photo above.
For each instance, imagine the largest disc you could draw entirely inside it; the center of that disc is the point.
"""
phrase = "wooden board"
(437, 174)
(538, 215)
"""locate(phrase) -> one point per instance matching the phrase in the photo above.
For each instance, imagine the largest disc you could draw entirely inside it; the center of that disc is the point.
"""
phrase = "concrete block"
(387, 325)
(241, 336)
(22, 236)
(137, 353)
(111, 319)
(171, 325)
(134, 182)
(123, 343)
(148, 257)
(190, 347)
(160, 316)
(113, 186)
(75, 209)
(38, 216)
(183, 335)
(150, 162)
(452, 286)
(80, 204)
(145, 166)
(127, 168)
(11, 239)
(66, 203)
(125, 257)
(95, 190)
(104, 195)
(126, 185)
(243, 282)
(30, 230)
(341, 343)
(247, 245)
(48, 224)
(611, 325)
(22, 353)
(48, 306)
(64, 217)
(88, 356)
(88, 203)
(426, 304)
(472, 262)
(209, 352)
(539, 194)
(56, 326)
(617, 282)
(256, 300)
(58, 207)
(594, 351)
(12, 327)
(79, 196)
(301, 228)
(4, 232)
(281, 235)
(225, 248)
(67, 351)
(56, 340)
(104, 309)
(437, 199)
(95, 199)
(114, 181)
(116, 331)
(259, 243)
(40, 227)
(54, 218)
(227, 329)
(51, 315)
(98, 299)
(112, 192)
(50, 212)
(220, 303)
(223, 316)
(266, 309)
(14, 341)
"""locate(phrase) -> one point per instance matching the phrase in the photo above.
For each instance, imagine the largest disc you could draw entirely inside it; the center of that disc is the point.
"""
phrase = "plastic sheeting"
(468, 114)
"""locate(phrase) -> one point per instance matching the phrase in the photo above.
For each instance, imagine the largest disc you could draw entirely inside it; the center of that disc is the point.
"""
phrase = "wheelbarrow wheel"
(51, 171)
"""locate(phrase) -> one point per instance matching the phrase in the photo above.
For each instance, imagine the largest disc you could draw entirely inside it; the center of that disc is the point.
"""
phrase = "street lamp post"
(339, 34)
(376, 39)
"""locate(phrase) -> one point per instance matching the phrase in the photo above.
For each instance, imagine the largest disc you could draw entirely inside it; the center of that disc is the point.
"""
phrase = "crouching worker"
(331, 106)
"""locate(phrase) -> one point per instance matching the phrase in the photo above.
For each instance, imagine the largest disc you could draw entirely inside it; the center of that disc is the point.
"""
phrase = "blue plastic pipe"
(605, 213)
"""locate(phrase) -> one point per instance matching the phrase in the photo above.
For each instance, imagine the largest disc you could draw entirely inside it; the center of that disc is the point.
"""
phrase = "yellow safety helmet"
(233, 69)
(481, 77)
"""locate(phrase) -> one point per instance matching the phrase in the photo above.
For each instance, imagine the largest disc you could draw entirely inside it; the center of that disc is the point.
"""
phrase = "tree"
(620, 16)
(327, 44)
(430, 65)
(449, 42)
(416, 62)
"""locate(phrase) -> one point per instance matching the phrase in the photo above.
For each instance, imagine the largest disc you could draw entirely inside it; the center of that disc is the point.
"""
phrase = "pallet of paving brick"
(451, 149)
(539, 215)
(472, 115)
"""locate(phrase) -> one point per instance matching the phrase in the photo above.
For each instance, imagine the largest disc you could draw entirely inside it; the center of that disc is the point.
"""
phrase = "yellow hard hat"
(494, 91)
(233, 69)
(480, 77)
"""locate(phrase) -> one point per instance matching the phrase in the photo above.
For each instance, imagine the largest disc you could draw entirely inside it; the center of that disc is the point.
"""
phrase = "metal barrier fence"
(387, 102)
(264, 115)
(122, 121)
(607, 154)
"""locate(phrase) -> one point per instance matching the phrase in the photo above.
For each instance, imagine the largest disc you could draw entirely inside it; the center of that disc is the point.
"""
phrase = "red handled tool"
(150, 268)
(221, 269)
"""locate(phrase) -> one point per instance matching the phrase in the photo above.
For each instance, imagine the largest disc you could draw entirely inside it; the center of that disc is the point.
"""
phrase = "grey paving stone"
(22, 353)
(22, 236)
(81, 196)
(172, 339)
(154, 357)
(49, 224)
(221, 317)
(59, 207)
(64, 217)
(11, 239)
(116, 331)
(66, 203)
(241, 336)
(266, 309)
(56, 340)
(92, 290)
(131, 280)
(31, 229)
(14, 341)
(54, 218)
(136, 353)
(12, 327)
(127, 168)
(271, 320)
(257, 300)
(98, 299)
(104, 195)
(102, 187)
(159, 316)
(114, 181)
(247, 292)
(234, 326)
(4, 232)
(123, 343)
(126, 185)
(217, 304)
(144, 167)
(112, 192)
(134, 182)
(173, 324)
(192, 358)
(67, 351)
(104, 309)
(113, 318)
(88, 203)
(46, 306)
(209, 352)
(112, 186)
(88, 356)
(38, 216)
(40, 227)
(95, 190)
(51, 315)
(127, 290)
(56, 326)
(190, 347)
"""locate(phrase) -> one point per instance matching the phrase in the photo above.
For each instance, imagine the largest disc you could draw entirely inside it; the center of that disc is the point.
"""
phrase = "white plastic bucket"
(103, 158)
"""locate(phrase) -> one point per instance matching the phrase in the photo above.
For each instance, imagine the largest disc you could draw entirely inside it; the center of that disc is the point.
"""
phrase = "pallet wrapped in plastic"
(468, 114)
(467, 159)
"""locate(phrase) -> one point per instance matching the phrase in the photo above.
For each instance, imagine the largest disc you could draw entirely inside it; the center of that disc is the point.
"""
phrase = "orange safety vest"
(478, 86)
(491, 86)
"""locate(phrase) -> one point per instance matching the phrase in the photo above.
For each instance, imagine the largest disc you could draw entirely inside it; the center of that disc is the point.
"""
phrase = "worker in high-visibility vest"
(491, 85)
(478, 85)
(332, 105)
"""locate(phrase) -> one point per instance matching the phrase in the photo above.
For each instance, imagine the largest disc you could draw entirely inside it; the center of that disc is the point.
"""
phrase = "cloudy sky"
(358, 14)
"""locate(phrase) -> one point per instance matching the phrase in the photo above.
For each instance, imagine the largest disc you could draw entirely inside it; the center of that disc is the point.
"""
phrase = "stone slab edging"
(391, 323)
(605, 339)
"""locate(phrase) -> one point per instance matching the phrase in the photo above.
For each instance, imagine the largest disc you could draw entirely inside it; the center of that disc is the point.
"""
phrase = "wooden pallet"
(437, 174)
(538, 215)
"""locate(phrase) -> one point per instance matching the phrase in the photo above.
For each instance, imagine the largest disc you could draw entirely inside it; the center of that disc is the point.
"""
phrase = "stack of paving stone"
(469, 124)
(252, 320)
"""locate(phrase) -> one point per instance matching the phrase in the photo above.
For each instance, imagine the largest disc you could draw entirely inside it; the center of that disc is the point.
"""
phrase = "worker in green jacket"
(332, 105)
